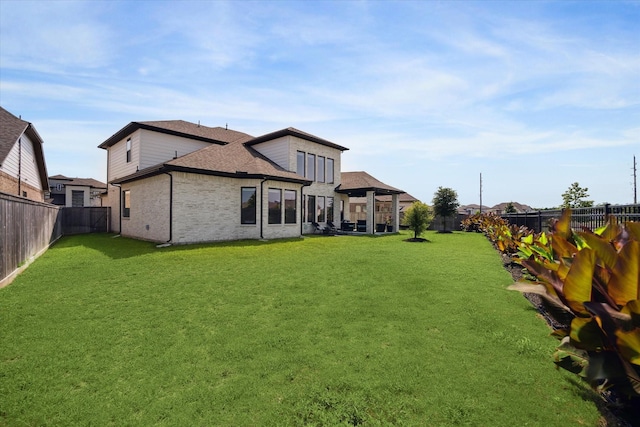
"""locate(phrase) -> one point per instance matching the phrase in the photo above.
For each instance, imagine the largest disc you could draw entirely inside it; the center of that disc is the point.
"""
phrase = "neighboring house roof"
(11, 129)
(356, 184)
(214, 135)
(402, 198)
(297, 133)
(233, 160)
(518, 206)
(83, 182)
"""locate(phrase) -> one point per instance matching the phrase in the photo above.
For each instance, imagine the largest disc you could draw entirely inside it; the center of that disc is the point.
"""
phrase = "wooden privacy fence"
(28, 228)
(591, 218)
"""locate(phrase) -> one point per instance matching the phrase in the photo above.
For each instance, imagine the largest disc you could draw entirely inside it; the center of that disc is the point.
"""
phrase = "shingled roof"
(232, 160)
(86, 182)
(12, 128)
(214, 135)
(356, 184)
(297, 133)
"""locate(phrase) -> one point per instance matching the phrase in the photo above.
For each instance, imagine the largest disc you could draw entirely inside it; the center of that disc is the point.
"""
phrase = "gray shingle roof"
(88, 182)
(358, 183)
(11, 128)
(297, 133)
(214, 135)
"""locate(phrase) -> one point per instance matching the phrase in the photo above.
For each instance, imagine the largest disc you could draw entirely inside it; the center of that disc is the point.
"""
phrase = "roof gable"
(358, 183)
(83, 182)
(11, 129)
(297, 133)
(232, 160)
(214, 135)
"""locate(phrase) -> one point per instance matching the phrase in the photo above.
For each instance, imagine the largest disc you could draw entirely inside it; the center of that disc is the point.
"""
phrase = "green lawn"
(316, 331)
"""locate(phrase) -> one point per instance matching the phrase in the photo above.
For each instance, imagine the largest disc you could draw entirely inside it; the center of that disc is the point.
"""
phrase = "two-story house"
(76, 192)
(23, 171)
(180, 182)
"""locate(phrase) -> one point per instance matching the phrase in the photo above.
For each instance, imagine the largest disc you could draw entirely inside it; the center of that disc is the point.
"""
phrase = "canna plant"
(594, 278)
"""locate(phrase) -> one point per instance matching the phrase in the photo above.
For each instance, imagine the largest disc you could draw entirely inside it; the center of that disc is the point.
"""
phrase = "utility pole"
(635, 183)
(481, 192)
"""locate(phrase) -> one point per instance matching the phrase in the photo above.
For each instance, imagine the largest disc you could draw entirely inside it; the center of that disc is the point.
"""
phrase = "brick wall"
(9, 185)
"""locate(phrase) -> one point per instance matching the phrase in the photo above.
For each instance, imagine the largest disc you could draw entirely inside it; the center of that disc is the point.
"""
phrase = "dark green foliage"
(510, 208)
(445, 203)
(575, 197)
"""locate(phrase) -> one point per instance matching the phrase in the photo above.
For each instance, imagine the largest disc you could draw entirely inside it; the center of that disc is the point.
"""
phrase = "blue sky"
(534, 95)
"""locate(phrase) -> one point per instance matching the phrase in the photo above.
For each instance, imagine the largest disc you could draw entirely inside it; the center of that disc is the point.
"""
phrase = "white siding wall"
(69, 195)
(148, 148)
(117, 158)
(149, 213)
(158, 147)
(28, 168)
(278, 152)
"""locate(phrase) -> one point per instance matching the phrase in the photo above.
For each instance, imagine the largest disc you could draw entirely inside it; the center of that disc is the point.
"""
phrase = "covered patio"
(361, 184)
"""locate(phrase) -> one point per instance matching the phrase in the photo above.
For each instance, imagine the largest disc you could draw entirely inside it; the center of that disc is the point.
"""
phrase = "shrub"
(593, 277)
(417, 217)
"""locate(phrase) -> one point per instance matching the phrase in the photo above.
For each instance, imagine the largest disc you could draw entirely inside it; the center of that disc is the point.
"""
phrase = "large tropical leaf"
(603, 248)
(570, 358)
(578, 283)
(587, 335)
(629, 345)
(624, 285)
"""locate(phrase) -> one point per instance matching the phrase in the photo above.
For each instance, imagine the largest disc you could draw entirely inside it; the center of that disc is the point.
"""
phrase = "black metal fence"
(591, 218)
(28, 228)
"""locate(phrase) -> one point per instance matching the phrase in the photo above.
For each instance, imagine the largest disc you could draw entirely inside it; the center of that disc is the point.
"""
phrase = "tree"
(417, 217)
(445, 204)
(510, 208)
(575, 197)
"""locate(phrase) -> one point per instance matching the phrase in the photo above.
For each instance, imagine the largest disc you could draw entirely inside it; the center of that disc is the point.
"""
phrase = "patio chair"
(331, 228)
(361, 225)
(318, 228)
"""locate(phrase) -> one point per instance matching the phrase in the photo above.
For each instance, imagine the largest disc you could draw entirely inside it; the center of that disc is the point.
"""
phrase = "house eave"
(237, 175)
(293, 132)
(134, 126)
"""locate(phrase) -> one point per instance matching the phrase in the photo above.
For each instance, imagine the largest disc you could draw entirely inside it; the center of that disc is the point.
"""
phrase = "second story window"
(330, 178)
(311, 167)
(129, 150)
(320, 169)
(300, 163)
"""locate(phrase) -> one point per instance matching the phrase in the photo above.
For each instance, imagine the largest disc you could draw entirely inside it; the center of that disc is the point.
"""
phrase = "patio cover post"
(371, 210)
(395, 212)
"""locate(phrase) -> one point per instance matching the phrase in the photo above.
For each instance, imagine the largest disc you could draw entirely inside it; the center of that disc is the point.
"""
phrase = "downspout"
(301, 210)
(262, 206)
(170, 206)
(20, 166)
(119, 208)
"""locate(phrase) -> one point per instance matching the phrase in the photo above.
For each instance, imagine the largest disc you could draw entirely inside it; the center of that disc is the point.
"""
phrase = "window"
(275, 206)
(289, 207)
(248, 205)
(330, 209)
(320, 169)
(321, 212)
(77, 198)
(311, 167)
(300, 163)
(311, 208)
(129, 150)
(330, 171)
(126, 203)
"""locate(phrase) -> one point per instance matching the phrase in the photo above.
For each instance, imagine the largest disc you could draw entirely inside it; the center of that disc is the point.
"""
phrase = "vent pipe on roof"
(198, 123)
(226, 126)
